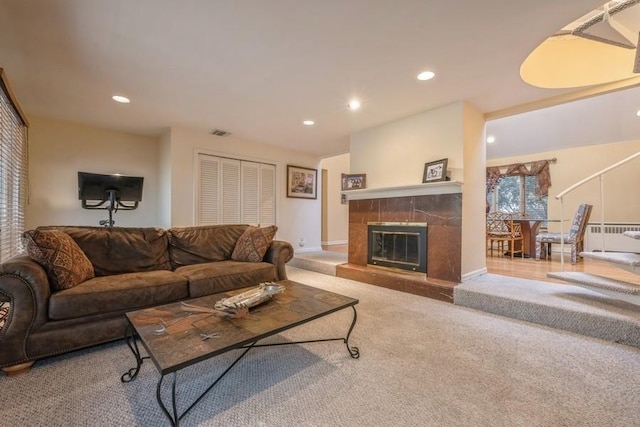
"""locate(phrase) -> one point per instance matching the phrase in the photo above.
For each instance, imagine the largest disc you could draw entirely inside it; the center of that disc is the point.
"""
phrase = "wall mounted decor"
(302, 183)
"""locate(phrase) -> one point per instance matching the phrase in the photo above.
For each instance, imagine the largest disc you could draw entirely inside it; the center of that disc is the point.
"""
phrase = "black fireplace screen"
(402, 245)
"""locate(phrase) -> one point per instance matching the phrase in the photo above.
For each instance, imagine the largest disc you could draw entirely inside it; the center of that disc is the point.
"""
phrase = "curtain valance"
(539, 169)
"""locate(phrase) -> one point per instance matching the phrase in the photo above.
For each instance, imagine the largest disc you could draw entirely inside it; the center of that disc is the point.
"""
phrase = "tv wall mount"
(110, 192)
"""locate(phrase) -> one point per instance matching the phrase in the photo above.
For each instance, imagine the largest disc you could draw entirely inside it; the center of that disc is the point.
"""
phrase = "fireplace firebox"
(398, 244)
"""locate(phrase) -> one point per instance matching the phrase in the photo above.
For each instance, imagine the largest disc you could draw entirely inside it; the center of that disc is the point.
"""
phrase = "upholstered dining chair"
(502, 229)
(575, 237)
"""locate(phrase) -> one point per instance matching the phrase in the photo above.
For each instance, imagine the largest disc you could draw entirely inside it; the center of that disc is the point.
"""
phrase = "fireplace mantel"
(431, 188)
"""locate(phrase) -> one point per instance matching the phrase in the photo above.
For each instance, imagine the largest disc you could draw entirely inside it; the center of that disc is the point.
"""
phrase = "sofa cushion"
(254, 243)
(213, 277)
(195, 245)
(63, 260)
(118, 293)
(120, 250)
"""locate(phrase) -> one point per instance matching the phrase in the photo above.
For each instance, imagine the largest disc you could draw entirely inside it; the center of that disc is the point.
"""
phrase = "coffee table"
(175, 339)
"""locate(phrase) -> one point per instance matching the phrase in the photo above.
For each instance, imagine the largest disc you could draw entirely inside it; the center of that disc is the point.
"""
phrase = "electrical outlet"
(301, 242)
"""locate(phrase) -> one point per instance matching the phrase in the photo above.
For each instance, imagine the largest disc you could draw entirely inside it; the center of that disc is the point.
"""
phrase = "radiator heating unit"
(614, 239)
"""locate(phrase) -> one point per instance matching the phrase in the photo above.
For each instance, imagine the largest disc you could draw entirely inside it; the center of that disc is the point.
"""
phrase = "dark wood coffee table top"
(182, 343)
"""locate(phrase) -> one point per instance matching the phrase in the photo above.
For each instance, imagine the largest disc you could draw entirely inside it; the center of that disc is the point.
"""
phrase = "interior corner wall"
(473, 194)
(337, 212)
(298, 220)
(59, 150)
(575, 164)
(394, 154)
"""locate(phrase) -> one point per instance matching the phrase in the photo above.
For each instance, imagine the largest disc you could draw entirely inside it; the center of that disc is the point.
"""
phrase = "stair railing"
(600, 176)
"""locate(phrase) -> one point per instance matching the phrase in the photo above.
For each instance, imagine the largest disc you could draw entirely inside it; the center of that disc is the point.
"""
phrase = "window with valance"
(520, 188)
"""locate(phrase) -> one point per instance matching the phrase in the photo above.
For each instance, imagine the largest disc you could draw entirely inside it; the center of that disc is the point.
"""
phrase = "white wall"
(337, 213)
(59, 150)
(622, 200)
(296, 218)
(394, 154)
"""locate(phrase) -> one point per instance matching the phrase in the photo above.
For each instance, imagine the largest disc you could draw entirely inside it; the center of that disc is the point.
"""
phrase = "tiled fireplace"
(439, 206)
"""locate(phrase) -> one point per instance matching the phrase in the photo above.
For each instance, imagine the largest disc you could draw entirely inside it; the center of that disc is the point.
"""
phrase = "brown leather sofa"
(134, 268)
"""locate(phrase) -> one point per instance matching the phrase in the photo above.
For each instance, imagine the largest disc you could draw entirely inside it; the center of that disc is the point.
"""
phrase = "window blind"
(13, 173)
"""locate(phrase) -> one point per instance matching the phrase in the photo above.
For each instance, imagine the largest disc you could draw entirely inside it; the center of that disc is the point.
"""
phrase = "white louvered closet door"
(250, 193)
(208, 190)
(230, 191)
(233, 191)
(267, 194)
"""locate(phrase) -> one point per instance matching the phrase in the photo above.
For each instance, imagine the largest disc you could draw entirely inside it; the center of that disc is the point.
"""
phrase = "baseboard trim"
(300, 250)
(335, 242)
(473, 274)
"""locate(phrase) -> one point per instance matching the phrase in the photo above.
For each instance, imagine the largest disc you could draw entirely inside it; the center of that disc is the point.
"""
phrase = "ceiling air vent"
(219, 132)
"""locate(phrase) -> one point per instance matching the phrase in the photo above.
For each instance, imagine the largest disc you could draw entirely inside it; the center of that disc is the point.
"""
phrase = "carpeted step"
(625, 291)
(560, 306)
(628, 261)
(324, 262)
(632, 234)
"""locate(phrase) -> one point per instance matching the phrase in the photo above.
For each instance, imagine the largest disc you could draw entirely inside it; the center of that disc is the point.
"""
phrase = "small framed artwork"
(302, 183)
(435, 171)
(354, 181)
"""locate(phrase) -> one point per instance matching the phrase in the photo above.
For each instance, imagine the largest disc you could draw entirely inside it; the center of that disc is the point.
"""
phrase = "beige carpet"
(423, 363)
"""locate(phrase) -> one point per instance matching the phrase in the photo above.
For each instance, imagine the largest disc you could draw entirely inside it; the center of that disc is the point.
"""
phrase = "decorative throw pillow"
(60, 256)
(254, 243)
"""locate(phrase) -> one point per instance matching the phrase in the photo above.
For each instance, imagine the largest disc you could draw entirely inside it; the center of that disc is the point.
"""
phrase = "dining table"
(530, 227)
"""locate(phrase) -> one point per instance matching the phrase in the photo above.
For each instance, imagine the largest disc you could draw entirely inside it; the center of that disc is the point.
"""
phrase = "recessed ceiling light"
(121, 99)
(354, 104)
(426, 75)
(491, 139)
(309, 122)
(638, 113)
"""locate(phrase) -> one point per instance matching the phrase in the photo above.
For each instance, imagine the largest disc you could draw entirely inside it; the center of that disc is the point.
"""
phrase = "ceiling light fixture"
(354, 104)
(491, 139)
(426, 75)
(638, 113)
(308, 122)
(121, 99)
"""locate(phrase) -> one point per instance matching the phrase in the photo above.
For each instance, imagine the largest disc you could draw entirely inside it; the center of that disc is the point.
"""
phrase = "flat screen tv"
(94, 186)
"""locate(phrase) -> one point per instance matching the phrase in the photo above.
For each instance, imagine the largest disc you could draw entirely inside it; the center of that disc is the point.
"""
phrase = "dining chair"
(574, 238)
(502, 229)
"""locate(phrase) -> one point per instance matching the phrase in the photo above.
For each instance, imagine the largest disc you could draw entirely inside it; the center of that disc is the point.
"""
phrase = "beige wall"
(575, 164)
(473, 192)
(394, 155)
(337, 213)
(296, 218)
(59, 150)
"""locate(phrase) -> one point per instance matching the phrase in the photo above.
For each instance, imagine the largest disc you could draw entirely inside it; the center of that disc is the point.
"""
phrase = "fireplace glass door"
(399, 245)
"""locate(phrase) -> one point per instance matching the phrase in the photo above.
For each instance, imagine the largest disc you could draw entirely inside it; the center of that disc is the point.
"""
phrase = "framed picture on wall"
(435, 171)
(354, 181)
(302, 183)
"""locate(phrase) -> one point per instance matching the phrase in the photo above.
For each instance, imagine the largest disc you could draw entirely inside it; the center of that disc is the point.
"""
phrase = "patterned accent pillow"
(60, 256)
(254, 243)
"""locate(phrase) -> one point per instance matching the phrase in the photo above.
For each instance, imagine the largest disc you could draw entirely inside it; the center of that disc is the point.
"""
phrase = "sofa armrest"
(24, 284)
(278, 254)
